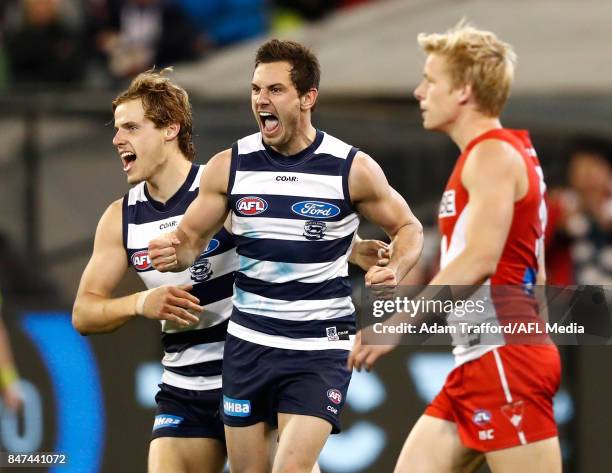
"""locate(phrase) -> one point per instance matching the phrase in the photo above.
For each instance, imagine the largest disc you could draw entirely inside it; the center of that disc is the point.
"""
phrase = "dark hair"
(164, 103)
(305, 69)
(590, 144)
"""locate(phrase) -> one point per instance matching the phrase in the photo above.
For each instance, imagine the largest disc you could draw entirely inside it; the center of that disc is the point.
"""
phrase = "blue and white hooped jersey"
(193, 355)
(294, 225)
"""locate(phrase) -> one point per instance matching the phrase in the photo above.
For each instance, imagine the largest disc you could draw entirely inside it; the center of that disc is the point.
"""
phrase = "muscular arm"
(382, 205)
(204, 217)
(95, 311)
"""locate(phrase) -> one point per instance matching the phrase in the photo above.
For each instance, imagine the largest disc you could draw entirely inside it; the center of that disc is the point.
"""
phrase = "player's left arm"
(382, 205)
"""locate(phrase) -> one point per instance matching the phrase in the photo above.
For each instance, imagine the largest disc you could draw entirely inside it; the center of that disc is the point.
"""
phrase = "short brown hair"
(305, 69)
(164, 103)
(478, 58)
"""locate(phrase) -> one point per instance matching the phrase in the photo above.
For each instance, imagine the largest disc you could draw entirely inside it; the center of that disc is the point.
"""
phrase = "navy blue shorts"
(259, 382)
(187, 413)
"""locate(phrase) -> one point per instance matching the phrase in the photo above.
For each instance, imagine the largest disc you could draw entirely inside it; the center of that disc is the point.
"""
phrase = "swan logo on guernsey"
(334, 396)
(315, 209)
(251, 205)
(141, 261)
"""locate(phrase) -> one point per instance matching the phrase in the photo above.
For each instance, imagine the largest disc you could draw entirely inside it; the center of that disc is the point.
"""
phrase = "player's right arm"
(177, 250)
(96, 311)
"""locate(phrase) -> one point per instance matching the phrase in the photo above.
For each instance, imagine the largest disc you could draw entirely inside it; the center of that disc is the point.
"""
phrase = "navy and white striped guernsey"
(193, 355)
(294, 225)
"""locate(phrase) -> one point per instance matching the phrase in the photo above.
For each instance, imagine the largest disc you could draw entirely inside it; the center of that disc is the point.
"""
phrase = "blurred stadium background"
(62, 62)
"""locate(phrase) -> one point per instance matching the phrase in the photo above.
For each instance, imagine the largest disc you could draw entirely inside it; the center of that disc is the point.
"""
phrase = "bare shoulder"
(215, 176)
(492, 160)
(366, 177)
(112, 216)
(110, 226)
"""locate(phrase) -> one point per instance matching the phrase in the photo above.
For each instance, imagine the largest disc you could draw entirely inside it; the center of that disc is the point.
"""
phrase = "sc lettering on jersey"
(447, 205)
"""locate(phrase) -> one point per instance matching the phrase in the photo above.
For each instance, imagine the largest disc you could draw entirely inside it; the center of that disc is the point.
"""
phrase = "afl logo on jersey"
(140, 260)
(334, 396)
(315, 209)
(212, 246)
(251, 205)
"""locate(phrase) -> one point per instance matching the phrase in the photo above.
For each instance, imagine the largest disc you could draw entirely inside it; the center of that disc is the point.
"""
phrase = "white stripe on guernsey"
(289, 272)
(197, 383)
(457, 240)
(502, 376)
(289, 229)
(250, 144)
(301, 310)
(137, 194)
(264, 182)
(214, 314)
(334, 147)
(522, 438)
(220, 265)
(287, 343)
(196, 182)
(195, 354)
(139, 235)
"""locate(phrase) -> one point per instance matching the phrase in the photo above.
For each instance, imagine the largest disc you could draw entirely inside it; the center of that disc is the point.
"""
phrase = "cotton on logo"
(140, 260)
(251, 205)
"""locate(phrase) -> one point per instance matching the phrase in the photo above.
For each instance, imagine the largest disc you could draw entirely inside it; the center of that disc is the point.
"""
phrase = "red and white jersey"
(518, 264)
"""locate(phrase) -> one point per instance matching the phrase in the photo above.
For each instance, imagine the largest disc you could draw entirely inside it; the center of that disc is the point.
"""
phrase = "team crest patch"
(314, 230)
(201, 270)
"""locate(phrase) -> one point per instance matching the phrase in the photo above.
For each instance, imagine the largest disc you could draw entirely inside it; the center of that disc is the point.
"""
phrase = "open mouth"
(270, 123)
(128, 158)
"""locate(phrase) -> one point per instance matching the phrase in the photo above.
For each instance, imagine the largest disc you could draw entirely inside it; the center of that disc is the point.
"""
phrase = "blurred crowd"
(104, 42)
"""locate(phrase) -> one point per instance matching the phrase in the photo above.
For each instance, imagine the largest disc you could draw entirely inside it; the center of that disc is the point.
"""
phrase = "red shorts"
(502, 399)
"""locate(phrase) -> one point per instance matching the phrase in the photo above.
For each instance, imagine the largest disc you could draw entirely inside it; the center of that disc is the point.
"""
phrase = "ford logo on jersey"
(315, 209)
(212, 246)
(251, 205)
(140, 260)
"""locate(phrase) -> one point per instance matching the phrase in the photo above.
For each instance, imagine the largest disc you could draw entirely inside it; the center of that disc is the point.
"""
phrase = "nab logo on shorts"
(141, 261)
(334, 396)
(315, 209)
(166, 421)
(236, 407)
(481, 417)
(447, 205)
(251, 205)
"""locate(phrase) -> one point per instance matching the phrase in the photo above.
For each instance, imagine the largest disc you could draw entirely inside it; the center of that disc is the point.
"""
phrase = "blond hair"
(478, 58)
(164, 103)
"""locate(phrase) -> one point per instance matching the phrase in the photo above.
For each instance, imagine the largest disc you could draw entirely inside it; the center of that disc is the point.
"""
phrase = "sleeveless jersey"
(518, 265)
(294, 226)
(192, 355)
